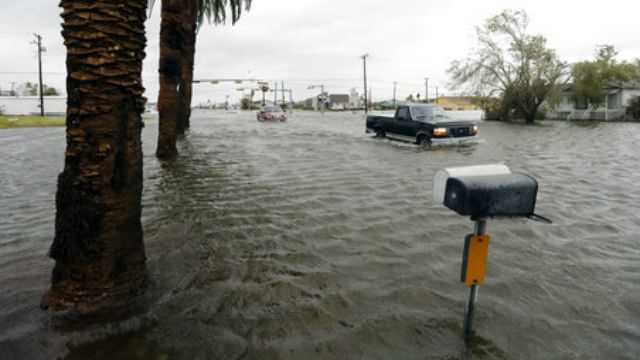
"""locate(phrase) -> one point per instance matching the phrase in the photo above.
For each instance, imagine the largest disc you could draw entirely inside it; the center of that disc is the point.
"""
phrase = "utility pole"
(283, 99)
(426, 89)
(291, 100)
(275, 93)
(264, 89)
(370, 97)
(322, 102)
(394, 93)
(364, 64)
(436, 94)
(38, 42)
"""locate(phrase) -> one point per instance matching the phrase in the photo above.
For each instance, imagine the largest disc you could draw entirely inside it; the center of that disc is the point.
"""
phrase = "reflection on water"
(310, 239)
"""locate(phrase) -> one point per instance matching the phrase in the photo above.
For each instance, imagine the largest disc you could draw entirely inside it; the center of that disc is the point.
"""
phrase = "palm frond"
(216, 10)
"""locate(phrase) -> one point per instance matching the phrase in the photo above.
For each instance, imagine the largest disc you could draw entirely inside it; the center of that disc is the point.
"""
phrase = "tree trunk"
(190, 29)
(171, 47)
(98, 246)
(530, 112)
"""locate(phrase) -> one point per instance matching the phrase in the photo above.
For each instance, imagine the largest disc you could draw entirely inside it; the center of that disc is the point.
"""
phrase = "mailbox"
(503, 195)
(482, 192)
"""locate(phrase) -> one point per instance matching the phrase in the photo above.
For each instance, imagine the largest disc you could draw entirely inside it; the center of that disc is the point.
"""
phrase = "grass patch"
(9, 121)
(22, 121)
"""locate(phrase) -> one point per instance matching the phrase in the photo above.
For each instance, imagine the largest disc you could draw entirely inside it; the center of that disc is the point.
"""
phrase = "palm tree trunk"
(171, 44)
(190, 29)
(98, 246)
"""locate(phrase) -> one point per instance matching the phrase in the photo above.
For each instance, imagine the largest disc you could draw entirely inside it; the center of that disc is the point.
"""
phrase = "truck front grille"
(460, 131)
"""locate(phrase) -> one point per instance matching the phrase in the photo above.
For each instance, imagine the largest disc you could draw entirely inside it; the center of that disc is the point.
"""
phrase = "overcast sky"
(320, 42)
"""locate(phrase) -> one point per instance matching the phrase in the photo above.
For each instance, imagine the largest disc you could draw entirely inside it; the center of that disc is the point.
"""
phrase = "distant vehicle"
(271, 113)
(423, 124)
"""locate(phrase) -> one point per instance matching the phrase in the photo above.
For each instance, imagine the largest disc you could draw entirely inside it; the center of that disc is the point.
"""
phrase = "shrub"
(634, 108)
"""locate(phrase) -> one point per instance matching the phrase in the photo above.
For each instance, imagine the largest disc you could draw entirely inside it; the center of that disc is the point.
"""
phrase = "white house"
(617, 98)
(355, 100)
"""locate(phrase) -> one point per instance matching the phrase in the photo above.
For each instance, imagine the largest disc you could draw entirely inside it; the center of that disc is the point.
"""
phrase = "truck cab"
(424, 124)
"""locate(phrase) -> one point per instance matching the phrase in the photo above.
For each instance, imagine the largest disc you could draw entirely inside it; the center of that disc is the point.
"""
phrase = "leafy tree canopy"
(591, 77)
(32, 89)
(510, 64)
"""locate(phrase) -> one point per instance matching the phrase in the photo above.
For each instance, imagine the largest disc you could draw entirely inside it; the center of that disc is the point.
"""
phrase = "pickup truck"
(424, 124)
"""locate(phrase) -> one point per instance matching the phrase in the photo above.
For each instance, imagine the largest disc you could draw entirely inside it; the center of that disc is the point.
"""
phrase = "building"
(617, 98)
(355, 100)
(339, 101)
(336, 101)
(451, 103)
(311, 103)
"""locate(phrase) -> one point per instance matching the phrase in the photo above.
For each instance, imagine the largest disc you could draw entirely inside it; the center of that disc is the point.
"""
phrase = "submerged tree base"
(87, 293)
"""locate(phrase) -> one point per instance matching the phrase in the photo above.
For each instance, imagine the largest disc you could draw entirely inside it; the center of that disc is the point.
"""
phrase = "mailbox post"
(479, 235)
(483, 192)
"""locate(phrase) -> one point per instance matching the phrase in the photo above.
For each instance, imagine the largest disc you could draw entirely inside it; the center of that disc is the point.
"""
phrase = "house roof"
(629, 85)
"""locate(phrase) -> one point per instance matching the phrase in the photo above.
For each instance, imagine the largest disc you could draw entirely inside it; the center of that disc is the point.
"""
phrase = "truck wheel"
(424, 141)
(380, 133)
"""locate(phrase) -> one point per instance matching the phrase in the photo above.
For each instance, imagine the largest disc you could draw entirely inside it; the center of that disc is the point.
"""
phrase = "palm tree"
(178, 30)
(98, 246)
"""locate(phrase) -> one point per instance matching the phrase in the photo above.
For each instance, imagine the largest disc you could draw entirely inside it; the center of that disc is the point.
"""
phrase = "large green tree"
(180, 22)
(511, 64)
(591, 77)
(98, 249)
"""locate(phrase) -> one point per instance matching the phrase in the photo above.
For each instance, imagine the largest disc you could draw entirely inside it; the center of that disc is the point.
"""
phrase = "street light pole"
(38, 42)
(275, 93)
(291, 100)
(364, 64)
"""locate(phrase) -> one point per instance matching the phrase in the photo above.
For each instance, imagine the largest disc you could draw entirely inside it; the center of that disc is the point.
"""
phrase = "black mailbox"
(502, 195)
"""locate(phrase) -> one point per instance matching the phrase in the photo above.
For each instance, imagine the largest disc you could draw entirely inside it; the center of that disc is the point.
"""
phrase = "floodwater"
(310, 239)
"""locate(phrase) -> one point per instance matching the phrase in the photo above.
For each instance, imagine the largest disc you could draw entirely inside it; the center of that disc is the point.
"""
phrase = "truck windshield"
(433, 113)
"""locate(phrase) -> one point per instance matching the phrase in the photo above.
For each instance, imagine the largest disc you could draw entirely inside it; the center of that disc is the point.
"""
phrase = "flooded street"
(311, 239)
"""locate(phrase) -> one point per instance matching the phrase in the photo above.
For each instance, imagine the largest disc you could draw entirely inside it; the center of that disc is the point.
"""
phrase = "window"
(429, 113)
(580, 104)
(403, 113)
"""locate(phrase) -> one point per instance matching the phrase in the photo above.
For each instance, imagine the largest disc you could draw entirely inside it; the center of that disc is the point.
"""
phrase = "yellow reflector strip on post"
(477, 260)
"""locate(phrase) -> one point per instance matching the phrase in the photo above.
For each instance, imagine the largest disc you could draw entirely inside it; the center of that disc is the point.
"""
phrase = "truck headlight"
(440, 132)
(474, 130)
